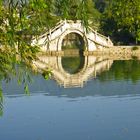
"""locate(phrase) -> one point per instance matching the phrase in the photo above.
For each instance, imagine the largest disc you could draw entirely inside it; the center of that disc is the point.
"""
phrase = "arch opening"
(74, 42)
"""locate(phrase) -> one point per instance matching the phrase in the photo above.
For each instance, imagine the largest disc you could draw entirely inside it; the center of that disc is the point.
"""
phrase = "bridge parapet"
(52, 39)
(99, 38)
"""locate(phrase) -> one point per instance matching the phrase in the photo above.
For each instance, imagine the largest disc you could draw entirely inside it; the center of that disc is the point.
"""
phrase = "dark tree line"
(120, 19)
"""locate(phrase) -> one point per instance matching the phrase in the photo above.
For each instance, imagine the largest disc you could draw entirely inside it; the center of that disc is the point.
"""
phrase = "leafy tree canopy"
(122, 17)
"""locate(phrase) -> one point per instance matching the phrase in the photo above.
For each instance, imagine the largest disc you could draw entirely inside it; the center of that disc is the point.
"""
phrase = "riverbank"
(119, 51)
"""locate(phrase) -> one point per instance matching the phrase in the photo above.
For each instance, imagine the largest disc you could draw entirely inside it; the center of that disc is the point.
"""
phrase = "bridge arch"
(69, 31)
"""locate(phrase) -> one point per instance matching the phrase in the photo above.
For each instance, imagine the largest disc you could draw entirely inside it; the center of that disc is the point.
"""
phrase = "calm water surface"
(105, 107)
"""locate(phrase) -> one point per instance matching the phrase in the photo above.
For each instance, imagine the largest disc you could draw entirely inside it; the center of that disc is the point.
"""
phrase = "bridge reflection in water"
(73, 71)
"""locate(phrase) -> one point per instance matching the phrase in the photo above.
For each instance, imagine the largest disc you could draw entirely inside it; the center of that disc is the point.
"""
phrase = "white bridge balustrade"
(52, 39)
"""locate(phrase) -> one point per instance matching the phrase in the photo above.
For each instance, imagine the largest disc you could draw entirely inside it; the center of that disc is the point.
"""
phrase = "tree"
(123, 17)
(101, 5)
(78, 10)
(127, 14)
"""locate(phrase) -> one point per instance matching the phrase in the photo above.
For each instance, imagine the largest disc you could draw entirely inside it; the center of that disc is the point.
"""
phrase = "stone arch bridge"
(52, 39)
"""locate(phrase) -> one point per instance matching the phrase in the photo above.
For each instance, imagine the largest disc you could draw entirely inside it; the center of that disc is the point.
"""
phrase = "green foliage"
(123, 70)
(125, 19)
(135, 48)
(78, 10)
(7, 60)
(1, 102)
(73, 64)
(101, 4)
(24, 74)
(47, 74)
(26, 89)
(88, 14)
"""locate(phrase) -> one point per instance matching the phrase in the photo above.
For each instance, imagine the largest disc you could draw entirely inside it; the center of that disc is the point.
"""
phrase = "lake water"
(86, 99)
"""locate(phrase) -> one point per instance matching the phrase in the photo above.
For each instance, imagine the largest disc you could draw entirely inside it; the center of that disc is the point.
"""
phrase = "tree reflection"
(123, 70)
(1, 102)
(73, 64)
(6, 70)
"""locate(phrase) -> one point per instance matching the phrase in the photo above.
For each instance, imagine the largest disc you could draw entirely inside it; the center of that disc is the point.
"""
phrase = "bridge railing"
(60, 24)
(50, 31)
(106, 39)
(58, 30)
